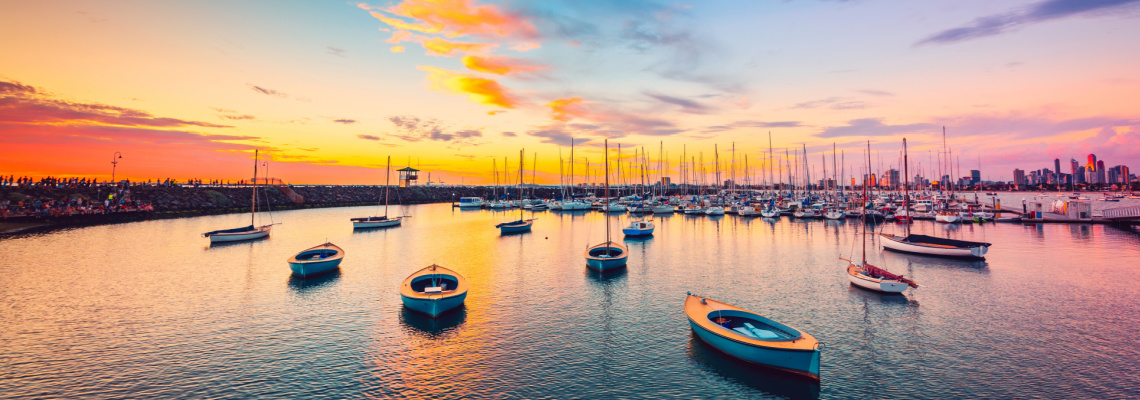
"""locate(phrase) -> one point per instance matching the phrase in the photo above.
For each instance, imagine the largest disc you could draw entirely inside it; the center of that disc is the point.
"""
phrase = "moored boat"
(250, 232)
(381, 221)
(639, 228)
(935, 246)
(752, 337)
(433, 290)
(316, 260)
(607, 256)
(870, 277)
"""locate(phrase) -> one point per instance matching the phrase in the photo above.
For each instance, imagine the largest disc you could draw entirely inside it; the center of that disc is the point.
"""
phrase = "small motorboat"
(770, 213)
(947, 217)
(433, 290)
(639, 228)
(715, 210)
(316, 260)
(238, 234)
(752, 337)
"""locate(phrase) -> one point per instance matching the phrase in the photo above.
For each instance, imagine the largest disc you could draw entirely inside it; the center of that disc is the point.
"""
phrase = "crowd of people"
(51, 181)
(42, 205)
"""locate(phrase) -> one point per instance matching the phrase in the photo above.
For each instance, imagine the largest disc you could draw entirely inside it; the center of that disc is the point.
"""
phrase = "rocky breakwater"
(180, 201)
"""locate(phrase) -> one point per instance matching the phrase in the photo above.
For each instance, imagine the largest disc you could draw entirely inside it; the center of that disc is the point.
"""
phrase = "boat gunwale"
(339, 254)
(805, 343)
(612, 244)
(406, 288)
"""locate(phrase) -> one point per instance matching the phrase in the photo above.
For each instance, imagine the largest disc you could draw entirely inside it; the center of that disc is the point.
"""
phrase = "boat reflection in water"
(421, 324)
(768, 380)
(301, 284)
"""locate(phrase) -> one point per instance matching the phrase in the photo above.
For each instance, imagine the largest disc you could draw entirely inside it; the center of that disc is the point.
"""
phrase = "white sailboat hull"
(240, 236)
(893, 243)
(876, 285)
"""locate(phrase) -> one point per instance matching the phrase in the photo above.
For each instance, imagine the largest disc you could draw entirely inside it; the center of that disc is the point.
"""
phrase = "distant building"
(666, 181)
(1079, 175)
(1075, 165)
(1101, 175)
(1092, 162)
(975, 176)
(1057, 165)
(1018, 177)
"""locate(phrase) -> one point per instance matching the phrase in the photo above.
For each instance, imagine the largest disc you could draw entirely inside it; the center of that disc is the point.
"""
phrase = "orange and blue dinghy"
(752, 337)
(433, 290)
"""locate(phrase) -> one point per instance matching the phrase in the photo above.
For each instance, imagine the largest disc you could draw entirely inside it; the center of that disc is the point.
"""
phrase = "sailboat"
(522, 225)
(868, 276)
(382, 221)
(245, 233)
(607, 256)
(929, 245)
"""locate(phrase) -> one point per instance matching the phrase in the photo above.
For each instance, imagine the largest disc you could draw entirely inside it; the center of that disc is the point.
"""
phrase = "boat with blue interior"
(752, 337)
(316, 260)
(433, 290)
(470, 202)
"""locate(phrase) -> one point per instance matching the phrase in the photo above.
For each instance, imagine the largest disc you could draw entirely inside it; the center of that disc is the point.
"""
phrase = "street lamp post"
(114, 164)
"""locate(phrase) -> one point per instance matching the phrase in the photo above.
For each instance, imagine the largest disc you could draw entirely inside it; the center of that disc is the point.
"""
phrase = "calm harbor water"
(150, 310)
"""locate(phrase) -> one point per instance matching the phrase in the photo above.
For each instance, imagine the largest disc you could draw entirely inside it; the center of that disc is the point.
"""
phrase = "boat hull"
(878, 285)
(637, 232)
(605, 264)
(375, 224)
(799, 362)
(434, 306)
(520, 228)
(240, 236)
(314, 268)
(897, 244)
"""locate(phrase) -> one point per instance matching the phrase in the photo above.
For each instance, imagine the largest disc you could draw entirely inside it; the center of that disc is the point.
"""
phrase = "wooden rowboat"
(433, 290)
(316, 260)
(752, 337)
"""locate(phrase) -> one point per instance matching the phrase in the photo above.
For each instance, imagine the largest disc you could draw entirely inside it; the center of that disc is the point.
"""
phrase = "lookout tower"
(408, 176)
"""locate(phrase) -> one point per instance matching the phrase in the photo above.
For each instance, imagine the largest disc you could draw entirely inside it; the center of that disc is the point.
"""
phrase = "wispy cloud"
(415, 129)
(753, 124)
(689, 106)
(369, 137)
(500, 65)
(25, 104)
(874, 127)
(834, 103)
(1038, 12)
(268, 92)
(345, 121)
(336, 51)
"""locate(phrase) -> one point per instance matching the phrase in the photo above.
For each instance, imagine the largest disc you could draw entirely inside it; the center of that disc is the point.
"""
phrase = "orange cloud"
(478, 90)
(566, 109)
(499, 65)
(455, 18)
(397, 49)
(443, 47)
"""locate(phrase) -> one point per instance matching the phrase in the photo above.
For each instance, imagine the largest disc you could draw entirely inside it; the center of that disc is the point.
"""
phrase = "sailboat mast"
(906, 189)
(771, 177)
(253, 201)
(865, 202)
(522, 155)
(607, 154)
(387, 181)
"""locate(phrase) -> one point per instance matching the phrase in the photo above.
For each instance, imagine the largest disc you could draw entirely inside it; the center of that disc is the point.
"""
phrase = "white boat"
(935, 246)
(947, 217)
(607, 256)
(752, 337)
(575, 205)
(748, 211)
(250, 232)
(470, 202)
(433, 290)
(805, 213)
(870, 277)
(834, 214)
(316, 260)
(714, 210)
(694, 209)
(662, 209)
(381, 221)
(770, 213)
(615, 207)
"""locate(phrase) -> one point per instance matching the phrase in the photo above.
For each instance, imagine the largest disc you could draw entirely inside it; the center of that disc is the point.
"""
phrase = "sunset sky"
(326, 90)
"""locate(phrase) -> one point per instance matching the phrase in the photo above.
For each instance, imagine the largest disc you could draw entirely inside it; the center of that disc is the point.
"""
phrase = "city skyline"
(326, 91)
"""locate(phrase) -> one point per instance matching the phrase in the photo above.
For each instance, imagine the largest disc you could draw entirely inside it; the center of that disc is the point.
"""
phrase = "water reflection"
(910, 260)
(770, 381)
(223, 245)
(306, 284)
(879, 297)
(433, 328)
(607, 278)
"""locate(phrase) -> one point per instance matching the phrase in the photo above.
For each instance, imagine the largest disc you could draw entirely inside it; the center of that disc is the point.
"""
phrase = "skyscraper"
(1092, 163)
(1018, 177)
(975, 176)
(1075, 166)
(1101, 177)
(1057, 166)
(1079, 175)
